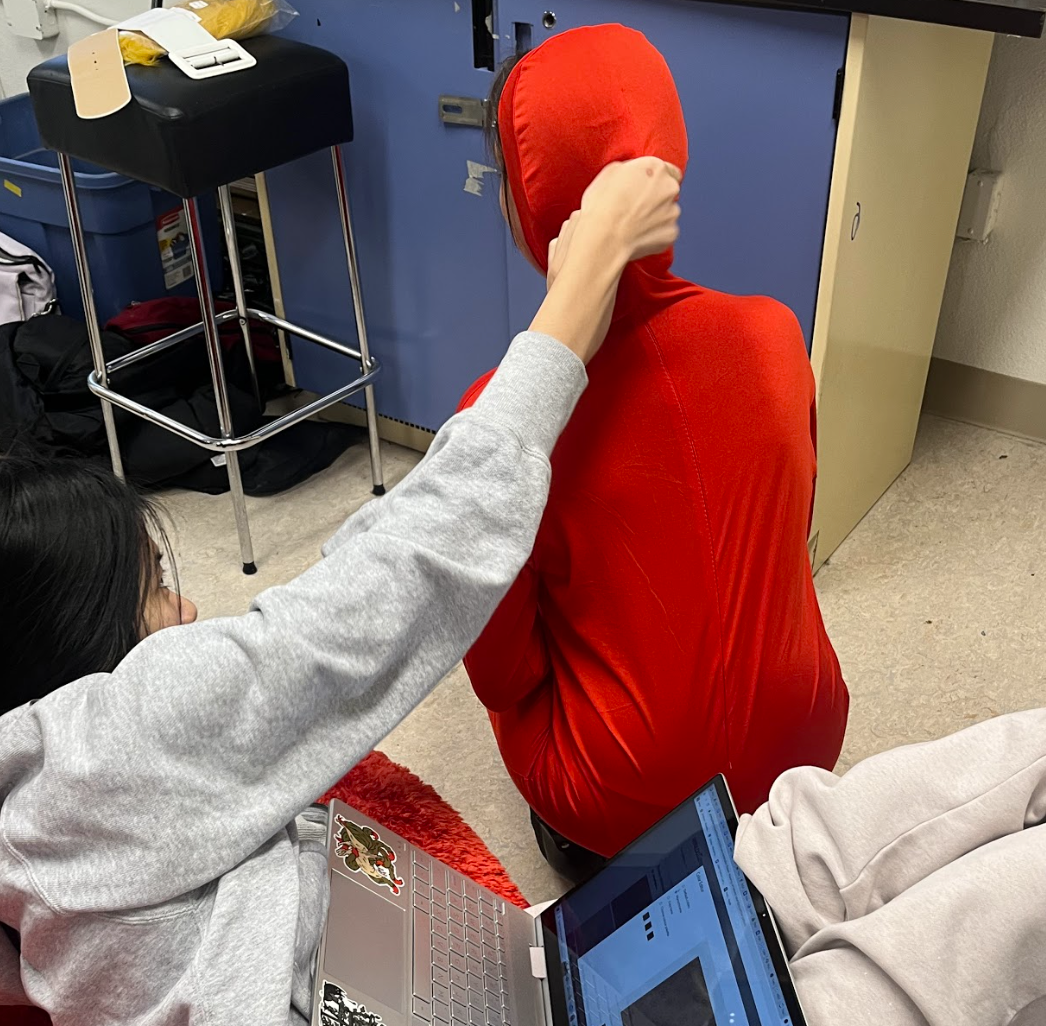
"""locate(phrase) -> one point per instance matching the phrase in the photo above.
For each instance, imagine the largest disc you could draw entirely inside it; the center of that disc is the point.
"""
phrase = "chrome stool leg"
(221, 392)
(231, 244)
(94, 335)
(377, 476)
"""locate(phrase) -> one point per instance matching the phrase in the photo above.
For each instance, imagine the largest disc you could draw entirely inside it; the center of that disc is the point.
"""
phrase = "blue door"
(432, 255)
(758, 90)
(443, 288)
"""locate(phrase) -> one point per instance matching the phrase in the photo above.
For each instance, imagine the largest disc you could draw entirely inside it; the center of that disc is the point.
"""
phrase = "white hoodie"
(912, 890)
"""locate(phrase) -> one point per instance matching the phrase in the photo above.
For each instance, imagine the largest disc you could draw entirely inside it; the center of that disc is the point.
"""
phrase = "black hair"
(490, 121)
(76, 565)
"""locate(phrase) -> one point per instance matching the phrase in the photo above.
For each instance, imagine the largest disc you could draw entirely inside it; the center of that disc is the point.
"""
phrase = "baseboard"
(981, 397)
(398, 432)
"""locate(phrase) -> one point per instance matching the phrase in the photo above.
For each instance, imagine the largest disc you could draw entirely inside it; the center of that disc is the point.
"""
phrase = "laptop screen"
(670, 932)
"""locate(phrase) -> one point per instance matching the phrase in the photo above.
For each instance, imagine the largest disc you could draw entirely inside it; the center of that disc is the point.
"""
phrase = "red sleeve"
(510, 659)
(813, 439)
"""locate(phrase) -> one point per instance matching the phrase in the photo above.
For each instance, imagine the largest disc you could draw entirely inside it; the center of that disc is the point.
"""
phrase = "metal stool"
(192, 137)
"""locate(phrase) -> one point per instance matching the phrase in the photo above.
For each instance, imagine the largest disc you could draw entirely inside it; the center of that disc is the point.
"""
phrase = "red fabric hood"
(579, 101)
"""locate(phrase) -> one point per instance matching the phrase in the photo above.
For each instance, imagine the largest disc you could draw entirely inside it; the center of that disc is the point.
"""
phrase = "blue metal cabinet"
(758, 89)
(442, 284)
(432, 256)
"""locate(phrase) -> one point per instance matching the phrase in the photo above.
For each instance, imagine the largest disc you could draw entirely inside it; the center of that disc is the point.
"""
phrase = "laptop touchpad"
(367, 943)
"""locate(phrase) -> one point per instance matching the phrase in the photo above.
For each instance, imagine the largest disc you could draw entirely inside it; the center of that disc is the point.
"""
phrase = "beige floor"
(936, 605)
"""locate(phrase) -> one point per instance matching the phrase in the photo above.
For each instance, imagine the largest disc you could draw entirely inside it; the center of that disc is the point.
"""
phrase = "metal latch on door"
(463, 110)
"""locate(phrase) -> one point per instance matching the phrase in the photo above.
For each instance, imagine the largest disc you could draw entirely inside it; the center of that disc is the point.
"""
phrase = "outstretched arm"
(208, 738)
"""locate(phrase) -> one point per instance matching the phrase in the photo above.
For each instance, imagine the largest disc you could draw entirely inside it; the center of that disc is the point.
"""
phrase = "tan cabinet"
(910, 105)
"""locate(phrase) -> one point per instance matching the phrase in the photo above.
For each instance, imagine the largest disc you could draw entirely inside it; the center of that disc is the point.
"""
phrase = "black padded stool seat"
(191, 136)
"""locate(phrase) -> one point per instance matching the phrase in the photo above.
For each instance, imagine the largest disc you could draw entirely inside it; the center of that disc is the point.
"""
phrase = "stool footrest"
(234, 443)
(165, 343)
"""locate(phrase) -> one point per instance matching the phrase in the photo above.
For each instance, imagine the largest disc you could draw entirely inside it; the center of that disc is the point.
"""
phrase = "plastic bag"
(224, 19)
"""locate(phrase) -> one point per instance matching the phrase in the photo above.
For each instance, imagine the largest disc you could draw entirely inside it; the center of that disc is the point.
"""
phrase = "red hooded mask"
(580, 101)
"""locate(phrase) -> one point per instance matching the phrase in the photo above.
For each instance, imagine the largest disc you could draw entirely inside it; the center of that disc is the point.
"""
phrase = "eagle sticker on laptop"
(338, 1009)
(363, 851)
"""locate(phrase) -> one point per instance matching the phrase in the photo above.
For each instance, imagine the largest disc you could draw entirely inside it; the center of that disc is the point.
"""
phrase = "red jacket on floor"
(666, 627)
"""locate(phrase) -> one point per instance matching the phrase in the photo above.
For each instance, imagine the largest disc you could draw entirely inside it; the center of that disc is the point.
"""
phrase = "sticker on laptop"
(363, 851)
(338, 1009)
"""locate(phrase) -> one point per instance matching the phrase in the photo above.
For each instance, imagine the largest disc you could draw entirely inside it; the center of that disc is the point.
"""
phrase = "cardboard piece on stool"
(97, 75)
(96, 67)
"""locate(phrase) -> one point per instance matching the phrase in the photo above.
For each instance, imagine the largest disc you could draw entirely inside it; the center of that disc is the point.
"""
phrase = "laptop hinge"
(537, 964)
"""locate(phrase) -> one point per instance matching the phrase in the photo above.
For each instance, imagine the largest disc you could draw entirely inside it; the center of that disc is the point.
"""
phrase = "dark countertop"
(1009, 17)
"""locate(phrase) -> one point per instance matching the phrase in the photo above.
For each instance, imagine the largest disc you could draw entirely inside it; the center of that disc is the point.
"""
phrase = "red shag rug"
(394, 797)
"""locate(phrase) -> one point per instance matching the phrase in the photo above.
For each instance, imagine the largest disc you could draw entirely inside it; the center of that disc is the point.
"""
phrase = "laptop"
(668, 933)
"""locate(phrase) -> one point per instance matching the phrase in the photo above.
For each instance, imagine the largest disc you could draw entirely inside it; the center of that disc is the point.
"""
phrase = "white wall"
(18, 56)
(994, 313)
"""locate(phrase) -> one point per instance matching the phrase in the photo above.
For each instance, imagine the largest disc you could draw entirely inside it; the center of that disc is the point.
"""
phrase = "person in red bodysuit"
(666, 626)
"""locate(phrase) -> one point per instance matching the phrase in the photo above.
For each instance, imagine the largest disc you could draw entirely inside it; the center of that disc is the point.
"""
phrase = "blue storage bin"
(124, 222)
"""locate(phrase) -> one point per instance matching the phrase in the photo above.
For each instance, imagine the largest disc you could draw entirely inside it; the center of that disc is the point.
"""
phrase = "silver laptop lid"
(670, 932)
(371, 945)
(409, 941)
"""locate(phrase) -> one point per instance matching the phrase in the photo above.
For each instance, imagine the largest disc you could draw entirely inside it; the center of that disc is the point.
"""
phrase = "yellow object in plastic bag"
(224, 19)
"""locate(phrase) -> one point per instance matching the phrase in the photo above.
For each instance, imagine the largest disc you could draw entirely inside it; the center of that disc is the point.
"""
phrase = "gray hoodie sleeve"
(911, 890)
(157, 778)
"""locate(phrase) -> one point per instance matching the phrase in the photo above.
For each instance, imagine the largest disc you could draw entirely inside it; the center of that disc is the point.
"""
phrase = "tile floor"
(936, 605)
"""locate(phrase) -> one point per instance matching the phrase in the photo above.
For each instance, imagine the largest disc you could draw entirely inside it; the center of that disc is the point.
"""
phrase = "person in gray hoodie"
(156, 867)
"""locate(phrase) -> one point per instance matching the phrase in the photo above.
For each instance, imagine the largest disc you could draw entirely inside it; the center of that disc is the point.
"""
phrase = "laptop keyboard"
(460, 970)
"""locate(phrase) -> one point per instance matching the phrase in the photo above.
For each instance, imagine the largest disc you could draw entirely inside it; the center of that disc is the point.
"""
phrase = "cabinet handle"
(463, 110)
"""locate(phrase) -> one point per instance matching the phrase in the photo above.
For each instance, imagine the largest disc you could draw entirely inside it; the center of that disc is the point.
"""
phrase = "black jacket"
(45, 402)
